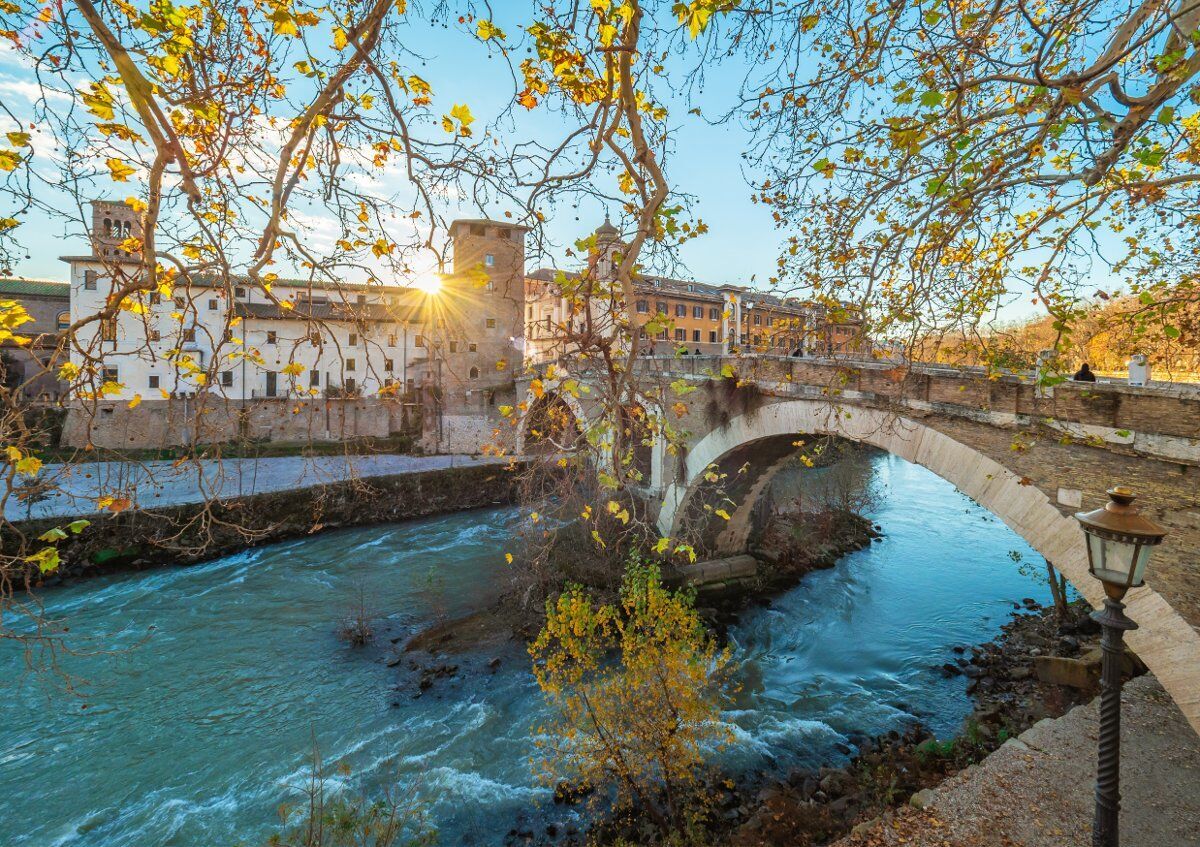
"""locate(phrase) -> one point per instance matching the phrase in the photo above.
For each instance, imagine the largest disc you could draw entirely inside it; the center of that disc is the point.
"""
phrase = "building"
(30, 368)
(680, 314)
(248, 354)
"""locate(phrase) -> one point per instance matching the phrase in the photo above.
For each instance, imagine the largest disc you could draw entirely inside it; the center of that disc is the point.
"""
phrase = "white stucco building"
(304, 339)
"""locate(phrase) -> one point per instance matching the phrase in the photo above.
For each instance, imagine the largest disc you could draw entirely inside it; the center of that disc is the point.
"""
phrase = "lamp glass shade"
(1119, 540)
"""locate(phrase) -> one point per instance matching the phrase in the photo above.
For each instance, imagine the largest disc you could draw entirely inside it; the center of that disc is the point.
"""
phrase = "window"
(420, 342)
(227, 378)
(691, 287)
(477, 229)
(63, 321)
(239, 291)
(354, 339)
(89, 280)
(314, 379)
(189, 335)
(453, 346)
(389, 365)
(351, 384)
(392, 340)
(351, 365)
(681, 335)
(714, 314)
(212, 304)
(712, 336)
(758, 320)
(272, 336)
(155, 335)
(153, 380)
(531, 312)
(770, 320)
(489, 260)
(474, 373)
(472, 347)
(643, 307)
(361, 300)
(697, 312)
(272, 383)
(695, 335)
(491, 323)
(110, 375)
(680, 310)
(108, 329)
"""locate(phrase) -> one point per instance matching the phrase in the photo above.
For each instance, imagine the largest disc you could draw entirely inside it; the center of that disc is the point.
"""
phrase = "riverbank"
(190, 533)
(1015, 681)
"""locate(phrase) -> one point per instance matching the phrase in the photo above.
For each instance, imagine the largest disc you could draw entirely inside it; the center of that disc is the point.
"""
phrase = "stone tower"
(476, 332)
(112, 223)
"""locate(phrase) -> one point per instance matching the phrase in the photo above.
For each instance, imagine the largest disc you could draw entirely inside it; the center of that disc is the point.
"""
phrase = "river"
(214, 681)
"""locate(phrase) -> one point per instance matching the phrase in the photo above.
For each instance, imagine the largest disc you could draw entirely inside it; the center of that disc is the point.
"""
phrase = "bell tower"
(112, 223)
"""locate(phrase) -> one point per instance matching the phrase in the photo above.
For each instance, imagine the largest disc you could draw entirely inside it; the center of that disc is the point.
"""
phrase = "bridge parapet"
(1160, 420)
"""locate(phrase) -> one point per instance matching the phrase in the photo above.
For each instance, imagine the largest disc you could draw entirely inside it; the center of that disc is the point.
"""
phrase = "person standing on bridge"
(1084, 374)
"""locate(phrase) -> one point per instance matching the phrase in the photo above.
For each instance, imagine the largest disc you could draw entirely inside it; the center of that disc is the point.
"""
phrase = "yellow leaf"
(18, 139)
(136, 401)
(487, 30)
(508, 557)
(29, 466)
(9, 160)
(119, 171)
(339, 38)
(721, 513)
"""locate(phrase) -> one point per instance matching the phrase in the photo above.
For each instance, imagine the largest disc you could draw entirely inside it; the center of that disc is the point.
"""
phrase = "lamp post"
(1119, 543)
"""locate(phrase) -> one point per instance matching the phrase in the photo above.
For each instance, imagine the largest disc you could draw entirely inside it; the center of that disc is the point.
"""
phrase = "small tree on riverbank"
(635, 687)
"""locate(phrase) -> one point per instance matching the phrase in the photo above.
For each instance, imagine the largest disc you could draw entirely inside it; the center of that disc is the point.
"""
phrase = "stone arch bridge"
(1033, 456)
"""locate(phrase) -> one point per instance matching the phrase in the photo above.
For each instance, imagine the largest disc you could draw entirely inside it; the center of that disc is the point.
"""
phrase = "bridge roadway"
(1031, 455)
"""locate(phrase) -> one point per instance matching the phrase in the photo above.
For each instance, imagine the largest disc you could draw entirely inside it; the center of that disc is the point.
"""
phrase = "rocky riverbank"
(1042, 665)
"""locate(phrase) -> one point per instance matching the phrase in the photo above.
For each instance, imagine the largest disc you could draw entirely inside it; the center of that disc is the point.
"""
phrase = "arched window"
(108, 227)
(64, 321)
(474, 373)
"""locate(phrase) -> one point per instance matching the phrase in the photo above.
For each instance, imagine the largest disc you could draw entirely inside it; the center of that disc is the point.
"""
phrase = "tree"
(932, 162)
(635, 688)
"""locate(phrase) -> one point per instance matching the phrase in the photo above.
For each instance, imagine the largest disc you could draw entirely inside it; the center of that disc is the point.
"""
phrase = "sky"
(742, 243)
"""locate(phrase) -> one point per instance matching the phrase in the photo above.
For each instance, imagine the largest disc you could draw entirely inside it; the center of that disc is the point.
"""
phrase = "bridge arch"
(1165, 642)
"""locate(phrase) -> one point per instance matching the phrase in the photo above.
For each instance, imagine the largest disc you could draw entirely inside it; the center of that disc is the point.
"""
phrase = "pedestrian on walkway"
(1084, 374)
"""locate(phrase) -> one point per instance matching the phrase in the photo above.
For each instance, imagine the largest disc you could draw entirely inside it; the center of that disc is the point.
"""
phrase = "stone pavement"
(1036, 790)
(167, 483)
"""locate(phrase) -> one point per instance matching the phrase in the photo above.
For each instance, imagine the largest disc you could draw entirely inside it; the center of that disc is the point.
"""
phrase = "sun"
(429, 283)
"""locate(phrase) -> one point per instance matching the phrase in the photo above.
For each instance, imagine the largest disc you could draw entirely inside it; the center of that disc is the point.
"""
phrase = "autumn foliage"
(634, 687)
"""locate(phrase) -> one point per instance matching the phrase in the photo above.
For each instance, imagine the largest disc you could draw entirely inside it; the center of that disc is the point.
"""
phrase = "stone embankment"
(194, 532)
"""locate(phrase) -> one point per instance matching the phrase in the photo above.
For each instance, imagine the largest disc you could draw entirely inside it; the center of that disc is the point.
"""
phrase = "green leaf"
(77, 527)
(932, 98)
(53, 534)
(1166, 115)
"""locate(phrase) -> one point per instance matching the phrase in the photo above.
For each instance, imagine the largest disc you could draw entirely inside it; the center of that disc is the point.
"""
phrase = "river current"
(213, 683)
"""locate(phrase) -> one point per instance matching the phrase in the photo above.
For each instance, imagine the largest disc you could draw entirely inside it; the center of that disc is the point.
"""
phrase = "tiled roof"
(43, 287)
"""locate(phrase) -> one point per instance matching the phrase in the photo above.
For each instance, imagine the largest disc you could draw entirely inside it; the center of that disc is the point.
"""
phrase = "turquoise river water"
(200, 715)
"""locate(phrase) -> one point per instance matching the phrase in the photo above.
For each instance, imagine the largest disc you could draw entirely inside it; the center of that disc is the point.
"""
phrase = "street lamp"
(1119, 543)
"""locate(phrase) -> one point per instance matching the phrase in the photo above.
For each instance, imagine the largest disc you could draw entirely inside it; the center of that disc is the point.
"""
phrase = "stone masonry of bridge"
(1033, 456)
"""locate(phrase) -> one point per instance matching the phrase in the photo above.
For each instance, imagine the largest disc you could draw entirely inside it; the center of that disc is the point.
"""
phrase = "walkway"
(77, 487)
(1036, 790)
